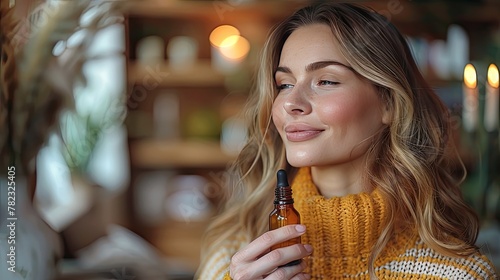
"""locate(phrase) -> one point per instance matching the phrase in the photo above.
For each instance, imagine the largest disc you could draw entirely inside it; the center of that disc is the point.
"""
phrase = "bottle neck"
(283, 195)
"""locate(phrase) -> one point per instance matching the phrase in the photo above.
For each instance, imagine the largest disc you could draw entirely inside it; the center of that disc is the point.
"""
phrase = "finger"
(262, 244)
(283, 256)
(289, 272)
(270, 262)
(301, 276)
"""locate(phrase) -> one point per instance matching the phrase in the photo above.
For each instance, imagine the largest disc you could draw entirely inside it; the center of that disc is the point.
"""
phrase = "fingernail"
(300, 228)
(308, 248)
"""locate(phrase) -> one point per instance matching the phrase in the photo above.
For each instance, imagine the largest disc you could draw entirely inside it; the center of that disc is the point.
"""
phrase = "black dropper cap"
(283, 192)
(282, 179)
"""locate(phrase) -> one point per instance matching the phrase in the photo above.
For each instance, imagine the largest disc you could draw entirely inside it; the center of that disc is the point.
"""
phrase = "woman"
(341, 105)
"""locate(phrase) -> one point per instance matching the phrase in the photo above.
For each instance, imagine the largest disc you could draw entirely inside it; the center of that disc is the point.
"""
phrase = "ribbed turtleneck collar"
(345, 226)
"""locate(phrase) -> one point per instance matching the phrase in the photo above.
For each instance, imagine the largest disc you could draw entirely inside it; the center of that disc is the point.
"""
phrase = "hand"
(256, 261)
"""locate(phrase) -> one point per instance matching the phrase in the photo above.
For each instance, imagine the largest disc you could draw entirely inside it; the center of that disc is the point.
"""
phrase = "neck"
(340, 180)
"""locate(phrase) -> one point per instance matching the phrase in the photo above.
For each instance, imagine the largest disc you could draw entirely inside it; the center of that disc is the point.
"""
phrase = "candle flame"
(470, 78)
(493, 79)
(235, 47)
(222, 32)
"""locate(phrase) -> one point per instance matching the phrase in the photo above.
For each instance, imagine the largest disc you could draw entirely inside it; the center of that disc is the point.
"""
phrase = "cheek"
(277, 114)
(347, 112)
(338, 111)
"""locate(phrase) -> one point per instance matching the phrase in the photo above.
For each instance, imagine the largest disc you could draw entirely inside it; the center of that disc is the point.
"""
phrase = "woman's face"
(325, 113)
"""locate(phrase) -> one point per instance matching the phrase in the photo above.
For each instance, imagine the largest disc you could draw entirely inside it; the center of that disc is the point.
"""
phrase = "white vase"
(29, 248)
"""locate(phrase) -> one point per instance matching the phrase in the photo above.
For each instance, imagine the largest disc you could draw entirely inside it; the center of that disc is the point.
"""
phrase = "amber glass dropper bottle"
(284, 213)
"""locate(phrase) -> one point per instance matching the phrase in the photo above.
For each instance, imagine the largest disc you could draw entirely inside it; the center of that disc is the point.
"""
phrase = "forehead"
(310, 43)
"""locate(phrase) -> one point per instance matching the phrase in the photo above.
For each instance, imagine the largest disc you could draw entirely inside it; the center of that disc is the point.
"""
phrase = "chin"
(298, 165)
(300, 162)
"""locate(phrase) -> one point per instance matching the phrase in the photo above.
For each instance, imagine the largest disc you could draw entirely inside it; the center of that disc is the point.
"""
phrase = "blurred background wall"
(132, 175)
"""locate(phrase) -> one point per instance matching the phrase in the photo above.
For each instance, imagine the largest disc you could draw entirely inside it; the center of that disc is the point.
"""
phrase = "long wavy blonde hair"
(411, 162)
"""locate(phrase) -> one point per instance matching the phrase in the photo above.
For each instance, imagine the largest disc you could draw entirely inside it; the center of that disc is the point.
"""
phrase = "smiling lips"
(299, 133)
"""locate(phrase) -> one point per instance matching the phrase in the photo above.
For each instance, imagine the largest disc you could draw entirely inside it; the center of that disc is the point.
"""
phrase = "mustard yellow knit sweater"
(342, 230)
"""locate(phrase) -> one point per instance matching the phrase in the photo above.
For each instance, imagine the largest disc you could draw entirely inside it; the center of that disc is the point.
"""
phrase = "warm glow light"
(229, 41)
(235, 47)
(470, 77)
(493, 79)
(221, 33)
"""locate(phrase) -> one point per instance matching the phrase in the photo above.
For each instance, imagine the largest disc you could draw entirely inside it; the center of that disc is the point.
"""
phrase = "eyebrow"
(315, 66)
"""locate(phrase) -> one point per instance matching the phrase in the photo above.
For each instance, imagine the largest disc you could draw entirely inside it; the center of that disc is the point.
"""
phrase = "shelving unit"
(197, 87)
(151, 154)
(200, 74)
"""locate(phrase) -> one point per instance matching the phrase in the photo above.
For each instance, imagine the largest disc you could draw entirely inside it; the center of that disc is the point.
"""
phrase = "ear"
(386, 107)
(386, 114)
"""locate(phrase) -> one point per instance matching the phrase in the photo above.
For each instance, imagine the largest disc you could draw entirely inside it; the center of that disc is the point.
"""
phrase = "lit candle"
(470, 99)
(491, 104)
(228, 48)
(217, 38)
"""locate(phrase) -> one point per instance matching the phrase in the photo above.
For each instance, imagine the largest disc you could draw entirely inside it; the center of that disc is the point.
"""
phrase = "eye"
(327, 83)
(284, 86)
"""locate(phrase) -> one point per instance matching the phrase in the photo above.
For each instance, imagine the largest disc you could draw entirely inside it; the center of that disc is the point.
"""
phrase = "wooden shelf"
(155, 153)
(221, 11)
(181, 241)
(161, 74)
(224, 11)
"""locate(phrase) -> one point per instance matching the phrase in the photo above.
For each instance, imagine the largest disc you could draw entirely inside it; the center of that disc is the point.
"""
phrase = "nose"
(297, 101)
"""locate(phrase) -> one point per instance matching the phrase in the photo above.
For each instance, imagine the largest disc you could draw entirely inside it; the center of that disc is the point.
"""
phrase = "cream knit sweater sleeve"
(217, 265)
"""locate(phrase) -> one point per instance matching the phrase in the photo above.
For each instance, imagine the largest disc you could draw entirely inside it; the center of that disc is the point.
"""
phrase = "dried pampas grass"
(36, 85)
(8, 76)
